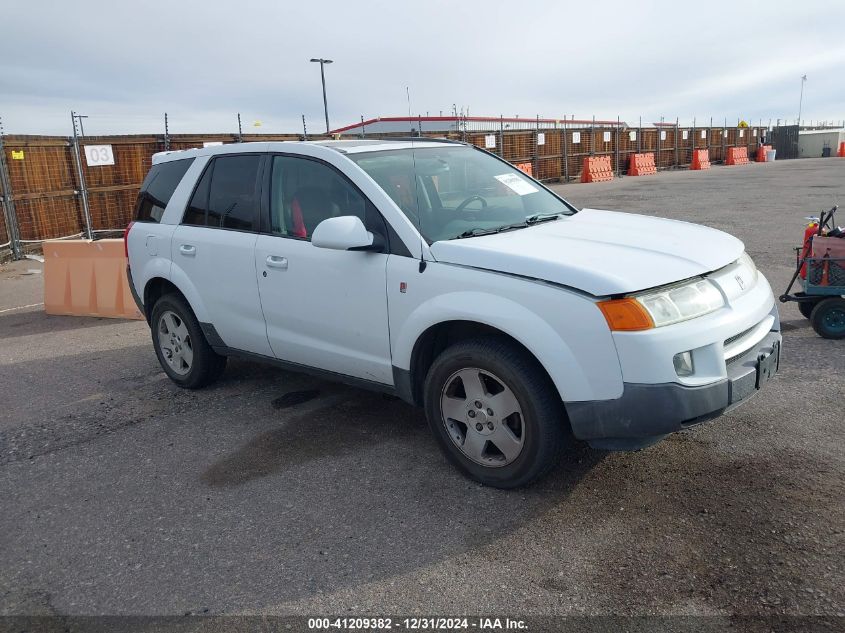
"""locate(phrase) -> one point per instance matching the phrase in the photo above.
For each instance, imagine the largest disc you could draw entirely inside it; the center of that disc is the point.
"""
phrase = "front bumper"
(645, 413)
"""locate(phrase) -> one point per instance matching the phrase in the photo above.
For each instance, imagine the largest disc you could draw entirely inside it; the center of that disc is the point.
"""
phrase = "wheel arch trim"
(504, 315)
(187, 289)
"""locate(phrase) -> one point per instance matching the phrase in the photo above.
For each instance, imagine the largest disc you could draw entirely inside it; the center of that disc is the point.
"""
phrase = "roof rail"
(418, 139)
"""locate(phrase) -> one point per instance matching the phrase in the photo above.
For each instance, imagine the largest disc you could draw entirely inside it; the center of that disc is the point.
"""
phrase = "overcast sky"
(125, 63)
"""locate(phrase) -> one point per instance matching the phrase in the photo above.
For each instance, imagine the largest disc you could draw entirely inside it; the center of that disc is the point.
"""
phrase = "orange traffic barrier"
(841, 152)
(737, 156)
(87, 278)
(525, 168)
(700, 159)
(596, 169)
(641, 165)
(761, 153)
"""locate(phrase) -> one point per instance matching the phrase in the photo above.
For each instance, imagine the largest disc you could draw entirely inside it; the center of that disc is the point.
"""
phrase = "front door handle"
(188, 249)
(276, 261)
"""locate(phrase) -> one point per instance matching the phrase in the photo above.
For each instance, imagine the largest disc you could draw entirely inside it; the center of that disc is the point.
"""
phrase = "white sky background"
(124, 63)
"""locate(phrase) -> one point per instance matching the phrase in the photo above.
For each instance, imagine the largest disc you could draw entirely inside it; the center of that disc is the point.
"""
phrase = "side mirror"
(346, 233)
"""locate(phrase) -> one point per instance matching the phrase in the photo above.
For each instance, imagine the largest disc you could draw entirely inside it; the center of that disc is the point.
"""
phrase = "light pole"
(323, 62)
(801, 99)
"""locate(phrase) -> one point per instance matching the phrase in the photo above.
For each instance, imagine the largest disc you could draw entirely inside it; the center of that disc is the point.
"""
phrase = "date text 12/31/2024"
(417, 623)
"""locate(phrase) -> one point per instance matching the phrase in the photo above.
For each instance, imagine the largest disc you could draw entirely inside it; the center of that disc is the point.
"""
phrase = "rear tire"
(180, 345)
(828, 318)
(517, 433)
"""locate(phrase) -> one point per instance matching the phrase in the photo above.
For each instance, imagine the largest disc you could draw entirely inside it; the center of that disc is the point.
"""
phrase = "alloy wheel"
(175, 342)
(483, 417)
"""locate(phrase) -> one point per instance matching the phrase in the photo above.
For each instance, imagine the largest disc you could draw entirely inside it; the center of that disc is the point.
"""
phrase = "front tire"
(828, 318)
(494, 411)
(180, 345)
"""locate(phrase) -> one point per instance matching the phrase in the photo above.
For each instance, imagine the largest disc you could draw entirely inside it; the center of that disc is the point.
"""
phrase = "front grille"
(736, 337)
(736, 340)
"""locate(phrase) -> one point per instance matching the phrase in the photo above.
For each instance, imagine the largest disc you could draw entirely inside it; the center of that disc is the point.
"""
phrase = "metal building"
(457, 124)
(819, 143)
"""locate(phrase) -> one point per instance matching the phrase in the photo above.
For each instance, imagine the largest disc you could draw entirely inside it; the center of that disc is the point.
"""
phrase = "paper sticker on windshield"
(519, 186)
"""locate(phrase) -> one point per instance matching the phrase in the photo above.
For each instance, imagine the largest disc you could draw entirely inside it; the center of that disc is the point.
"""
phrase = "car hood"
(599, 252)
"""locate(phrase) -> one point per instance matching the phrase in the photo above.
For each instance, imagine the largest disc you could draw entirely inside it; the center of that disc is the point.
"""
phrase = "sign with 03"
(98, 155)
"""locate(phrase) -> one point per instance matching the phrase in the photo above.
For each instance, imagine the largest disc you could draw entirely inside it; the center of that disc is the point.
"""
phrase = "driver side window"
(305, 192)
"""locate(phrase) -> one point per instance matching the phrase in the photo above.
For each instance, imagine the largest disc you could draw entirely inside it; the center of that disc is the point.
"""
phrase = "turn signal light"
(625, 315)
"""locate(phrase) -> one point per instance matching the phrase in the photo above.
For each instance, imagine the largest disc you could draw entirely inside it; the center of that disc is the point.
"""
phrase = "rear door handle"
(276, 261)
(188, 250)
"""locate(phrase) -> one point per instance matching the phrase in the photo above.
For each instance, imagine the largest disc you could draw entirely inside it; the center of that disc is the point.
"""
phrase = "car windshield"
(457, 191)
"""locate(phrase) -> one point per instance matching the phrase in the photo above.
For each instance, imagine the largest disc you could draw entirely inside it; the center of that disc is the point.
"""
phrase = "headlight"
(663, 306)
(746, 262)
(682, 302)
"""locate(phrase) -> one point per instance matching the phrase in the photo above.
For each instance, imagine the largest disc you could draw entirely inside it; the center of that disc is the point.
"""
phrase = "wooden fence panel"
(46, 192)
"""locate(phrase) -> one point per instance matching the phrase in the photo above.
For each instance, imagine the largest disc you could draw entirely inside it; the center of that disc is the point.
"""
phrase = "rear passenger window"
(157, 189)
(195, 213)
(226, 194)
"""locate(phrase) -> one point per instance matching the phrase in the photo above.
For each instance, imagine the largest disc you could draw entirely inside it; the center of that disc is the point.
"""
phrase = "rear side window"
(157, 189)
(226, 194)
(195, 213)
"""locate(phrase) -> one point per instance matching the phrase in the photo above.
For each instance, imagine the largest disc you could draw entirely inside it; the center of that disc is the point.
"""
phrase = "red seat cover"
(299, 229)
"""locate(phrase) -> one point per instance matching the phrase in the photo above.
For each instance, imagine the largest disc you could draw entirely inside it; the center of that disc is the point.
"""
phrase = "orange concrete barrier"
(87, 278)
(525, 168)
(700, 159)
(737, 156)
(596, 169)
(641, 165)
(761, 153)
(841, 152)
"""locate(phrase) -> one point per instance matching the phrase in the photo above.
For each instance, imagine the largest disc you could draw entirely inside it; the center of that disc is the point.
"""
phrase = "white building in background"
(446, 124)
(818, 143)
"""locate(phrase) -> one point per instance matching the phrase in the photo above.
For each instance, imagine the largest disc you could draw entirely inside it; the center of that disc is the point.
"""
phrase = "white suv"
(438, 272)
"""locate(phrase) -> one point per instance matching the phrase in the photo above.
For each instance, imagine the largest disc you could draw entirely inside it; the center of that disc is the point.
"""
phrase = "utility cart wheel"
(806, 308)
(828, 318)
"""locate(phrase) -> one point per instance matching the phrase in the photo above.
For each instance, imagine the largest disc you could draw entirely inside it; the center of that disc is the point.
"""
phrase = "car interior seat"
(309, 207)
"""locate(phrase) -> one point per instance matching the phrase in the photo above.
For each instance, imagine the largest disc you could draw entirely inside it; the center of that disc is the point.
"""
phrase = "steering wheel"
(469, 200)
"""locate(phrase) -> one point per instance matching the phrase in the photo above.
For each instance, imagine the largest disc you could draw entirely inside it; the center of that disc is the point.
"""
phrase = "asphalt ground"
(123, 494)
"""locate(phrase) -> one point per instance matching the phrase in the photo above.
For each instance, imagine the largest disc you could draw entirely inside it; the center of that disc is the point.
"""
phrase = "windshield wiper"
(542, 217)
(530, 220)
(475, 233)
